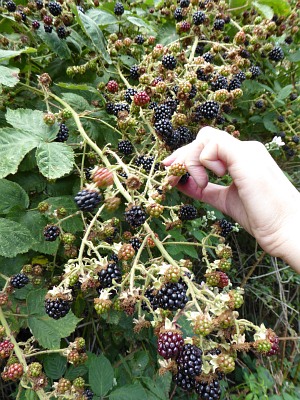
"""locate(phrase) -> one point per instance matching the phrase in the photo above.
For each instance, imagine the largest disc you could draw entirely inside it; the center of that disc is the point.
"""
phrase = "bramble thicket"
(114, 285)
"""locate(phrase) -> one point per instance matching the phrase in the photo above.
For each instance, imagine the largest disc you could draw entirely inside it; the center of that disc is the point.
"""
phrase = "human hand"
(260, 198)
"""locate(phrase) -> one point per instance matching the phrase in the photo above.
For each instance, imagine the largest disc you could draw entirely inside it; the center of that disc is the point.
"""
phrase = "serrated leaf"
(129, 392)
(9, 76)
(55, 366)
(191, 251)
(141, 24)
(101, 375)
(77, 102)
(101, 17)
(12, 195)
(280, 7)
(284, 92)
(32, 122)
(35, 223)
(32, 182)
(7, 54)
(74, 86)
(54, 159)
(266, 10)
(57, 45)
(14, 145)
(294, 57)
(15, 238)
(269, 124)
(48, 332)
(91, 29)
(35, 302)
(74, 372)
(139, 363)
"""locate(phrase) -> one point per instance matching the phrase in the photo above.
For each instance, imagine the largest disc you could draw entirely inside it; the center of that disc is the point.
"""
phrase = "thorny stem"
(136, 259)
(193, 49)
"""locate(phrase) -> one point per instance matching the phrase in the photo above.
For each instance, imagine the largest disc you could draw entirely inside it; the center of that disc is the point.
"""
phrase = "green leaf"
(77, 102)
(191, 251)
(7, 54)
(55, 366)
(139, 363)
(57, 45)
(30, 395)
(141, 24)
(14, 145)
(266, 10)
(54, 159)
(129, 392)
(294, 57)
(286, 396)
(91, 29)
(15, 238)
(167, 34)
(9, 76)
(35, 223)
(269, 124)
(101, 17)
(12, 195)
(284, 92)
(32, 122)
(32, 182)
(101, 375)
(74, 86)
(46, 330)
(280, 7)
(74, 372)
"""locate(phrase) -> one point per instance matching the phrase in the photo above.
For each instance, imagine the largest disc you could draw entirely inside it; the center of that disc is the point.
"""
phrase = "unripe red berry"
(112, 86)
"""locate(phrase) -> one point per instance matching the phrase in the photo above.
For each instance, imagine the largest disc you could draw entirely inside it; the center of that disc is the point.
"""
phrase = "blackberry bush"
(93, 99)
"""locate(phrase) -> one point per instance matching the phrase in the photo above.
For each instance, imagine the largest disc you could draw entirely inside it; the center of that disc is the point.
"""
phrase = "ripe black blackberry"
(255, 71)
(87, 200)
(169, 61)
(172, 104)
(259, 104)
(280, 118)
(164, 127)
(295, 139)
(172, 296)
(149, 294)
(185, 135)
(11, 6)
(152, 105)
(51, 233)
(220, 82)
(119, 9)
(199, 49)
(208, 57)
(88, 394)
(139, 39)
(209, 109)
(220, 120)
(55, 8)
(61, 32)
(23, 16)
(184, 381)
(134, 72)
(172, 141)
(276, 54)
(162, 111)
(48, 28)
(201, 75)
(178, 14)
(87, 173)
(135, 243)
(19, 280)
(235, 83)
(241, 76)
(120, 107)
(184, 3)
(288, 40)
(209, 391)
(245, 53)
(189, 361)
(63, 133)
(226, 227)
(169, 344)
(130, 92)
(184, 179)
(139, 160)
(80, 9)
(293, 96)
(193, 92)
(219, 24)
(57, 308)
(35, 24)
(39, 4)
(107, 275)
(125, 147)
(110, 107)
(198, 17)
(187, 212)
(147, 163)
(114, 257)
(135, 216)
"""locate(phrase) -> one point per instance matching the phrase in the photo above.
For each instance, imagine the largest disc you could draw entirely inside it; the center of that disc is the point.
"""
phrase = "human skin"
(260, 197)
